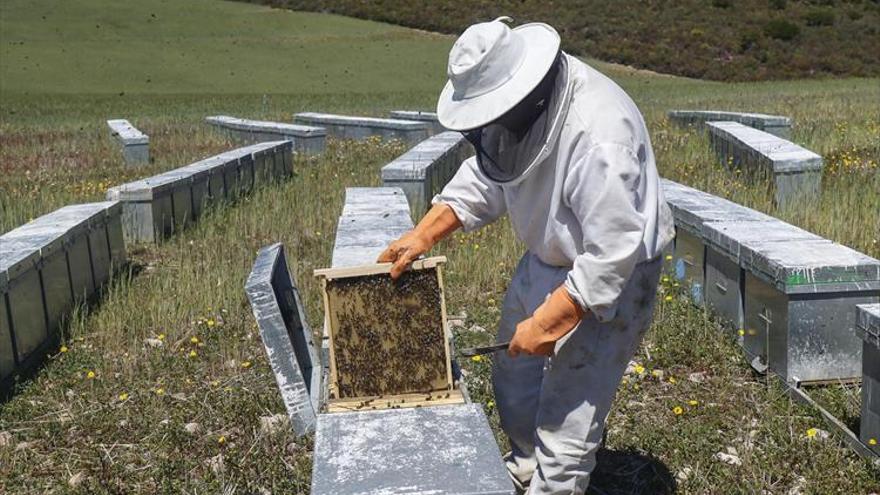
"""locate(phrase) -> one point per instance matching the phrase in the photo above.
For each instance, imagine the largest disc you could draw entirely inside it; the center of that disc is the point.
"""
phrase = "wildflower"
(123, 397)
(194, 339)
(215, 383)
(161, 336)
(160, 391)
(668, 298)
(90, 374)
(741, 332)
(811, 432)
(656, 373)
(872, 441)
(665, 279)
(692, 402)
(677, 410)
(221, 439)
(477, 359)
(192, 354)
(668, 257)
(676, 284)
(491, 404)
(245, 364)
(211, 323)
(639, 369)
(636, 386)
(672, 380)
(63, 349)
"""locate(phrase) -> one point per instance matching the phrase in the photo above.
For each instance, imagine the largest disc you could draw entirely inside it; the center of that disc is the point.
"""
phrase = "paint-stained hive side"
(387, 336)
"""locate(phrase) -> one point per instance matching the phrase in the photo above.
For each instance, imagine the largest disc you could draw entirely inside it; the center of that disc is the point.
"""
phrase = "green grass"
(54, 150)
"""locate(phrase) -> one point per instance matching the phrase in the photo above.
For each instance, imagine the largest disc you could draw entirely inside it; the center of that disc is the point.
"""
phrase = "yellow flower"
(123, 397)
(90, 374)
(811, 432)
(668, 257)
(160, 391)
(741, 332)
(194, 339)
(676, 284)
(221, 440)
(668, 298)
(639, 369)
(245, 364)
(692, 402)
(872, 441)
(636, 386)
(491, 404)
(677, 410)
(63, 348)
(215, 383)
(656, 373)
(192, 354)
(477, 359)
(671, 379)
(161, 336)
(211, 323)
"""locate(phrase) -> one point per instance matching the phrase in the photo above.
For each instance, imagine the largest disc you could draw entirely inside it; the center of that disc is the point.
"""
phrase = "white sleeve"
(605, 197)
(475, 200)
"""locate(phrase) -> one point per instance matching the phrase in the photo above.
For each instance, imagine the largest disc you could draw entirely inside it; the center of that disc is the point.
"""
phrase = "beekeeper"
(563, 151)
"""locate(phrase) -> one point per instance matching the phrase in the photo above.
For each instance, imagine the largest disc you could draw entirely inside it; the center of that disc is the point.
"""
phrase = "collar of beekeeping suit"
(492, 68)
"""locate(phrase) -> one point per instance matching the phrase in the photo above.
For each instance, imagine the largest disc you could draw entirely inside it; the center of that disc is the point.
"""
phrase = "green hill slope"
(742, 40)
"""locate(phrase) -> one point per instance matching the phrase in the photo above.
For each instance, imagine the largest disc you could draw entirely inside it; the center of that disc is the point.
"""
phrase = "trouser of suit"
(554, 409)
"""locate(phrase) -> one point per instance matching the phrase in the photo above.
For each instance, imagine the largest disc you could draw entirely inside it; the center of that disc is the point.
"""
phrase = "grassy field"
(155, 418)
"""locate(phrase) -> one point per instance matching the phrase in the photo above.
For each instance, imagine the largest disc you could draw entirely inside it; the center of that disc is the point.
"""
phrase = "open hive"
(387, 342)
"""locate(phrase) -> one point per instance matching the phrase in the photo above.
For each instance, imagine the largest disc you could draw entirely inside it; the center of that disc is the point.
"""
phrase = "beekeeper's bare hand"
(404, 251)
(438, 223)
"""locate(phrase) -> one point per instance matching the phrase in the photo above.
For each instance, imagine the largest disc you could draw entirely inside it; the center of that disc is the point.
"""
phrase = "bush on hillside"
(819, 17)
(781, 29)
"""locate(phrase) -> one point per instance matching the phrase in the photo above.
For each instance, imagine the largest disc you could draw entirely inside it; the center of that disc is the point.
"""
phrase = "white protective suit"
(590, 210)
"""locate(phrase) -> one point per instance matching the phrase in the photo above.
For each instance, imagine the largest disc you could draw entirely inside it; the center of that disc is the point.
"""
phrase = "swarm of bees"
(388, 335)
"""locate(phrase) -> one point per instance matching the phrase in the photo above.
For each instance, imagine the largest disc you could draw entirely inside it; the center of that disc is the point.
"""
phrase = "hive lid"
(15, 260)
(868, 323)
(738, 238)
(351, 120)
(42, 238)
(444, 449)
(809, 266)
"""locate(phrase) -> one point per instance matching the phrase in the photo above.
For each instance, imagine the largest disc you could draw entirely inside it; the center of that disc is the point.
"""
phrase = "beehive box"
(388, 347)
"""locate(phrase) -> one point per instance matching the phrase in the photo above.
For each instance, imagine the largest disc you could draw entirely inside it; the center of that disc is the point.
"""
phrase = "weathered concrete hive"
(156, 207)
(777, 125)
(799, 299)
(729, 246)
(134, 143)
(308, 140)
(692, 209)
(868, 328)
(424, 169)
(420, 116)
(47, 267)
(353, 127)
(796, 172)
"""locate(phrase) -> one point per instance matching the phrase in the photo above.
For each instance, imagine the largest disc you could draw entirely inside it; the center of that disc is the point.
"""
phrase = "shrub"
(781, 29)
(778, 4)
(819, 17)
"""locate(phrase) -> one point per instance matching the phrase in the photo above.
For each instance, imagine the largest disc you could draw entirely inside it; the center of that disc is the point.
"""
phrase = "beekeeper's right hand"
(439, 222)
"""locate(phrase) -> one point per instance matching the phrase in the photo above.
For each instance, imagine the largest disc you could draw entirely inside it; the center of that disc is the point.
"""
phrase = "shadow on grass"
(629, 472)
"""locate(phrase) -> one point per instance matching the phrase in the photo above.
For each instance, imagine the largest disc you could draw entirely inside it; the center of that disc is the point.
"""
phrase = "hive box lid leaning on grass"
(387, 338)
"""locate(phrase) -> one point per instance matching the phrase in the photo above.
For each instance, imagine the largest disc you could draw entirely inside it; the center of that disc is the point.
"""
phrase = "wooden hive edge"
(428, 399)
(375, 268)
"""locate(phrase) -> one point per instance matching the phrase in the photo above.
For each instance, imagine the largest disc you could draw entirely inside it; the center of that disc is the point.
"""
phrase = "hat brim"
(463, 114)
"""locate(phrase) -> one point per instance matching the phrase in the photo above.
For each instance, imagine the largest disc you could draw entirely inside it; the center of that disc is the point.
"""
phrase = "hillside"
(744, 40)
